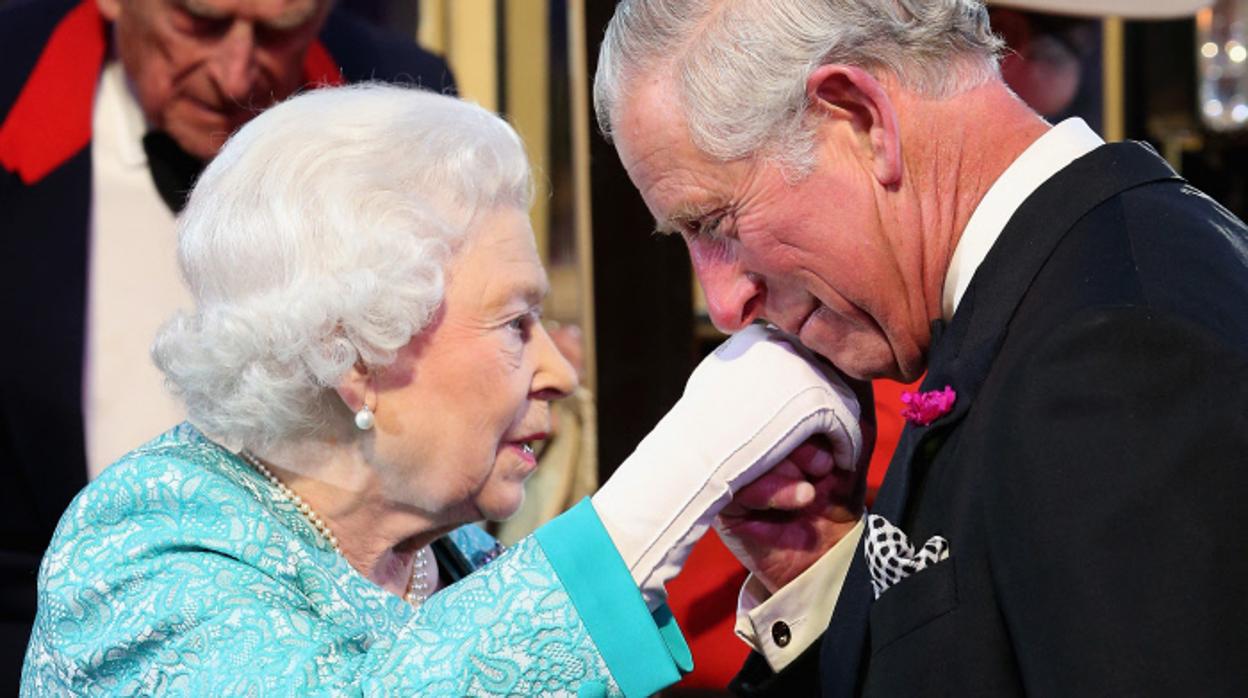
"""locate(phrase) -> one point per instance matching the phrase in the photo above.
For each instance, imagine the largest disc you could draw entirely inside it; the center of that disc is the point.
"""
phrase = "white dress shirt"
(785, 624)
(133, 282)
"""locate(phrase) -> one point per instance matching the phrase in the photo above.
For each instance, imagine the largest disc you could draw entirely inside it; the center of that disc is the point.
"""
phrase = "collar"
(1060, 146)
(124, 125)
(51, 120)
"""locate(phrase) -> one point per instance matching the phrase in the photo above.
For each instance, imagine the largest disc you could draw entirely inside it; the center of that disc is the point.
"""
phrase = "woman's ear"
(854, 95)
(354, 386)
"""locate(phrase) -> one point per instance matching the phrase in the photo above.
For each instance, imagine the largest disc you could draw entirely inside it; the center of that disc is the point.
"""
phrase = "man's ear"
(111, 9)
(853, 94)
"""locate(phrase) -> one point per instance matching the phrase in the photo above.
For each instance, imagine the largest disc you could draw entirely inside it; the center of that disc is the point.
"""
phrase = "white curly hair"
(317, 238)
(741, 65)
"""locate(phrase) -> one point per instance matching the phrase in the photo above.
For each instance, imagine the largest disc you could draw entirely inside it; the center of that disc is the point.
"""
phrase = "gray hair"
(317, 238)
(741, 65)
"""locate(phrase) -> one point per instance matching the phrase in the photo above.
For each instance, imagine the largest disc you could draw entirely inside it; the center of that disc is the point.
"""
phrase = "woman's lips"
(524, 448)
(527, 454)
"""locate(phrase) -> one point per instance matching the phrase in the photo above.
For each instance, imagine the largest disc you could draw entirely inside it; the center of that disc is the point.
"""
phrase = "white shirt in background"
(133, 283)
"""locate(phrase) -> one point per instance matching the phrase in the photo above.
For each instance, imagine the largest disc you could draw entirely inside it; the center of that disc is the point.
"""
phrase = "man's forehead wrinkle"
(677, 181)
(654, 179)
(683, 196)
(678, 172)
(295, 15)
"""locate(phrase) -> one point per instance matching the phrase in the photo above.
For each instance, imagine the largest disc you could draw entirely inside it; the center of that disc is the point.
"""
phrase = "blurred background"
(627, 309)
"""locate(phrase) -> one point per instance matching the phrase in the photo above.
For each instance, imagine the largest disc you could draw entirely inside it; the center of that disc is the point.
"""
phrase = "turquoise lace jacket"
(182, 571)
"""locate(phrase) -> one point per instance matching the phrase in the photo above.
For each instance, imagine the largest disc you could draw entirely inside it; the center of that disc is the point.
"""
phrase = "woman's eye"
(521, 325)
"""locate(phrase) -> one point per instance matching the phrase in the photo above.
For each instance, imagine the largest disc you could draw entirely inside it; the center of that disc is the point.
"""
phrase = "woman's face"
(457, 409)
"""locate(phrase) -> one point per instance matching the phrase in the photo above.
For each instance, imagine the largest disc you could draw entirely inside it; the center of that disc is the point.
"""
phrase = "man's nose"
(734, 297)
(234, 62)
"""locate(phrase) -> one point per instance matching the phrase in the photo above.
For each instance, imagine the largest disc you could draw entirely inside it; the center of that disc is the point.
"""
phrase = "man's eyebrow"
(683, 216)
(666, 226)
(202, 9)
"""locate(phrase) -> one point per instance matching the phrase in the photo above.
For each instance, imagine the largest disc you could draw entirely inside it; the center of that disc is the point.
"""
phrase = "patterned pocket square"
(891, 557)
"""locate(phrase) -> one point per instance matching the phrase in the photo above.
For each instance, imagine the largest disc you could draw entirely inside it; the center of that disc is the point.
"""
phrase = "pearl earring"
(364, 419)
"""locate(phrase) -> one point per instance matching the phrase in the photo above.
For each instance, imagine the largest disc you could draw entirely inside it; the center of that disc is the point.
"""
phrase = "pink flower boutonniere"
(928, 406)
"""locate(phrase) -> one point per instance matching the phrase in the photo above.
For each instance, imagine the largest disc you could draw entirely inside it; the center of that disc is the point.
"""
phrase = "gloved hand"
(745, 407)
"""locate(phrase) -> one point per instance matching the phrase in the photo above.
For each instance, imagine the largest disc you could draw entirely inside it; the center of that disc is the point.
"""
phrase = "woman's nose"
(555, 377)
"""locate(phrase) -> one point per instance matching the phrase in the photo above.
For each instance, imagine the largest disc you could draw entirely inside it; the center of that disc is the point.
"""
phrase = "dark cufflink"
(781, 634)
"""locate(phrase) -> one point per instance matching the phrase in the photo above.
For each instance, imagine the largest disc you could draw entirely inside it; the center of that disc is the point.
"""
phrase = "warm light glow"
(1204, 20)
(1222, 56)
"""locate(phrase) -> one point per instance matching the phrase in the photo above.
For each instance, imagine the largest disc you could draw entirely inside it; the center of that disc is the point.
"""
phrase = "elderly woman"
(366, 372)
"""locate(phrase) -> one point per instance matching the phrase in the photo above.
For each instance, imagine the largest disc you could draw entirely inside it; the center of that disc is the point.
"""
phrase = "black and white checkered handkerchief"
(890, 556)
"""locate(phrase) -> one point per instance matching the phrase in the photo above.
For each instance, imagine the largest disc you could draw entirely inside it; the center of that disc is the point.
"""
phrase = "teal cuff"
(645, 652)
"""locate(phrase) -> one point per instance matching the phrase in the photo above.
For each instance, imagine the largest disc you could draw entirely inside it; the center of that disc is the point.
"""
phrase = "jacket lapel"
(922, 440)
(961, 356)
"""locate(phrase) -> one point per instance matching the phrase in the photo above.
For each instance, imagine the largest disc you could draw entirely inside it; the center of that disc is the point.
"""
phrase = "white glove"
(744, 409)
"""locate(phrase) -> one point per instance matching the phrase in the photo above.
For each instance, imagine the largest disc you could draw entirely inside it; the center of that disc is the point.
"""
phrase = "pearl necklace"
(419, 586)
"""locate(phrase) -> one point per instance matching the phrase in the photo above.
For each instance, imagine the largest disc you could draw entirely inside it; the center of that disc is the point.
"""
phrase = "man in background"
(110, 110)
(1050, 61)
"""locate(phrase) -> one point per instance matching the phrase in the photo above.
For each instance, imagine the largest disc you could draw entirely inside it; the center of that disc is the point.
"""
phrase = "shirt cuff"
(783, 625)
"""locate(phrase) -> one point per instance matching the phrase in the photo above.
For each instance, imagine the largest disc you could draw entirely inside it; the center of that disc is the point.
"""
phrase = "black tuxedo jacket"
(43, 274)
(1092, 476)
